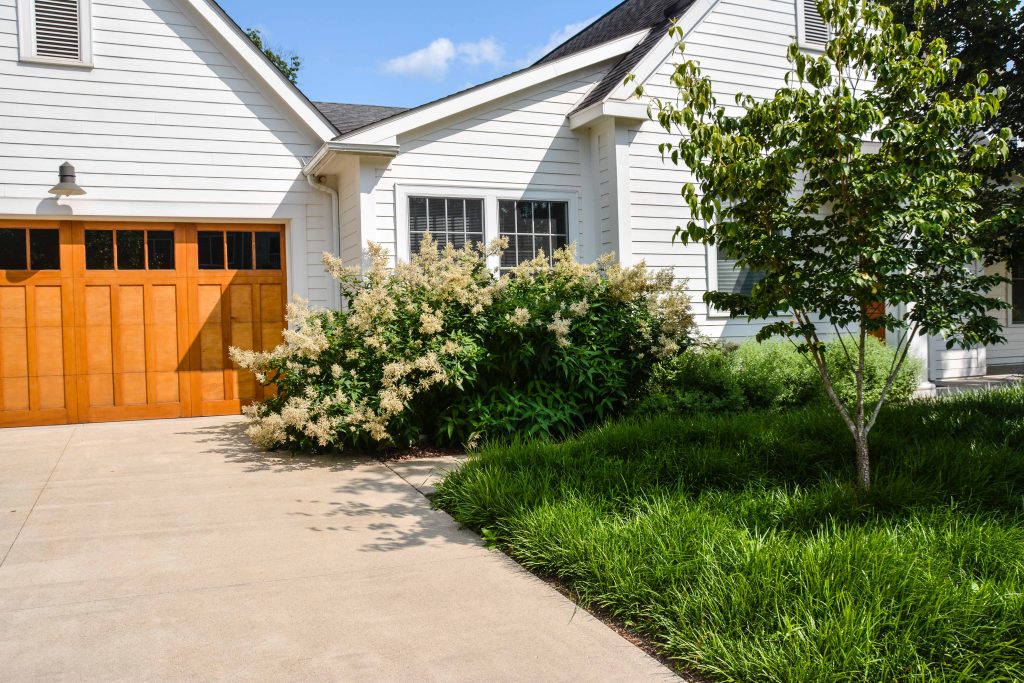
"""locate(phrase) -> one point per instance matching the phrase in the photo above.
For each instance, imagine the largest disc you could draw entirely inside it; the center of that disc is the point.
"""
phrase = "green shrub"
(442, 349)
(770, 375)
(701, 379)
(774, 375)
(878, 363)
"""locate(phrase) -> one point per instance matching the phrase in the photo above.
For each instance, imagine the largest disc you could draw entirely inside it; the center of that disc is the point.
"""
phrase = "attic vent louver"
(815, 29)
(58, 29)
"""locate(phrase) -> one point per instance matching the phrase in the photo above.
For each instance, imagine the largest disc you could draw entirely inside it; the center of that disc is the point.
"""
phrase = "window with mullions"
(239, 250)
(449, 220)
(129, 250)
(532, 227)
(29, 249)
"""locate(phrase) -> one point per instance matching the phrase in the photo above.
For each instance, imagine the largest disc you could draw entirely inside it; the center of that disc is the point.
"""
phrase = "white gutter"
(335, 231)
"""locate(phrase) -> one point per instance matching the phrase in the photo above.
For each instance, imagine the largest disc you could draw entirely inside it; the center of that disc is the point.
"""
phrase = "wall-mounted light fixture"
(68, 185)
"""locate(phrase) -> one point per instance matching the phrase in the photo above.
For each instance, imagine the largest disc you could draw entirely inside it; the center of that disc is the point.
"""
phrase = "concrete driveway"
(172, 550)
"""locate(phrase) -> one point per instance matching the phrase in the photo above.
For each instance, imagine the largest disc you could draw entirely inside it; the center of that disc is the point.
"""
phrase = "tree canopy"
(986, 36)
(287, 63)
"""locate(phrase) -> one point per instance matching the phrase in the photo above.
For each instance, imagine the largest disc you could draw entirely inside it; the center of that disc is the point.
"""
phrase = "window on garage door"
(129, 249)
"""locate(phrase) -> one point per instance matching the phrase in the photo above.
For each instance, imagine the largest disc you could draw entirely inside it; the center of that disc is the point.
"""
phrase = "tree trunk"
(863, 461)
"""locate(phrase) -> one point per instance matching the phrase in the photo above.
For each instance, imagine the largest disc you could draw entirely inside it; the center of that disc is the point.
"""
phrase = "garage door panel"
(15, 393)
(241, 303)
(49, 309)
(166, 387)
(12, 307)
(133, 389)
(52, 392)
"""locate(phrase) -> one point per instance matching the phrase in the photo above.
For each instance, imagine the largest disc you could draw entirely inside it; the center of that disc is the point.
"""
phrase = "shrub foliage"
(440, 348)
(771, 375)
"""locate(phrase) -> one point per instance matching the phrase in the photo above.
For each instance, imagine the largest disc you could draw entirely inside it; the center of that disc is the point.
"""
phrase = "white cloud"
(483, 51)
(436, 59)
(554, 40)
(432, 61)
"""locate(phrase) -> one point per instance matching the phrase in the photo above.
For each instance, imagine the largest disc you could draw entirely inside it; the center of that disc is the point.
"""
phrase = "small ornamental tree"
(847, 189)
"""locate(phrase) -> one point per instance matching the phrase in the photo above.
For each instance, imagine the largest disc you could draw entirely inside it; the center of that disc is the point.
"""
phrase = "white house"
(213, 186)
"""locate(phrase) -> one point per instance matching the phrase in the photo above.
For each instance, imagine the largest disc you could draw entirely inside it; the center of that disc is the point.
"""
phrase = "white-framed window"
(532, 226)
(811, 30)
(724, 275)
(55, 32)
(1017, 290)
(539, 219)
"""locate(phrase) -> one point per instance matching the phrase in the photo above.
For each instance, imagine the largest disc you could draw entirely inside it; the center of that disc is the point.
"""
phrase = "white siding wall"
(165, 126)
(741, 46)
(522, 144)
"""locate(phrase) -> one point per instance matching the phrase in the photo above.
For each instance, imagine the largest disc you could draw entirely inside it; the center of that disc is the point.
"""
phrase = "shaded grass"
(737, 544)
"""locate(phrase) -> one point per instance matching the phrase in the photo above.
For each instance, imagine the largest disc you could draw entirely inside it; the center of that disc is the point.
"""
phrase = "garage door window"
(36, 249)
(129, 249)
(239, 250)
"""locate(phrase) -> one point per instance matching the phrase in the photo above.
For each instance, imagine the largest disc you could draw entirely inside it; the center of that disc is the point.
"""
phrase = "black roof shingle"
(625, 18)
(349, 117)
(628, 17)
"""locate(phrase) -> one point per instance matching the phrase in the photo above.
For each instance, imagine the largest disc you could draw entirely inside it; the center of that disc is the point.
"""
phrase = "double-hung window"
(55, 31)
(532, 227)
(449, 220)
(811, 29)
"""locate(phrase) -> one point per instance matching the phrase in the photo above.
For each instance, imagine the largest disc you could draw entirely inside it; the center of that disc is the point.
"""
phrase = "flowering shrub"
(440, 348)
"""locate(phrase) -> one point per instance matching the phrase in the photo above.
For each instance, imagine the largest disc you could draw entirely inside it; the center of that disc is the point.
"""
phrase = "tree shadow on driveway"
(359, 497)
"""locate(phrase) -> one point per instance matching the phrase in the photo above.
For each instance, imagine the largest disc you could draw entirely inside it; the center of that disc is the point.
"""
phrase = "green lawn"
(737, 545)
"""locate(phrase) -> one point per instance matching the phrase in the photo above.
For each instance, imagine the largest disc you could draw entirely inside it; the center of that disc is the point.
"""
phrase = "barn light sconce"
(68, 185)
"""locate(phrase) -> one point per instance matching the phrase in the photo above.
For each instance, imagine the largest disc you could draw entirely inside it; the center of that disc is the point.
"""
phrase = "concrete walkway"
(173, 551)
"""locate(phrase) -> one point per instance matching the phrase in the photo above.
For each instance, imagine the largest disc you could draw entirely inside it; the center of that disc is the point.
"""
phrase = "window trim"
(1013, 279)
(491, 194)
(27, 35)
(801, 37)
(712, 273)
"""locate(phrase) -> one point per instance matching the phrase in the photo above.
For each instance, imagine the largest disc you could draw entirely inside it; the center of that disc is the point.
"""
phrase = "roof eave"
(333, 149)
(627, 111)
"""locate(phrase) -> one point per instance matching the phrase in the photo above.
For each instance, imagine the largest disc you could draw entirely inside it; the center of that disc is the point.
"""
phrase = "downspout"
(335, 231)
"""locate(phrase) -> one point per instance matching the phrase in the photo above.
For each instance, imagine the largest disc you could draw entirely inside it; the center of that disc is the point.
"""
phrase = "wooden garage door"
(127, 321)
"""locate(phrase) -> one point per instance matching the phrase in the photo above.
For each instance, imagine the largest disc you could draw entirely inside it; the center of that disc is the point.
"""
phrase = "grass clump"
(737, 543)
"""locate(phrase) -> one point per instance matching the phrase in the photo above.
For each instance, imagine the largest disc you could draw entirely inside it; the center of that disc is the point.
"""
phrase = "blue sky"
(404, 53)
